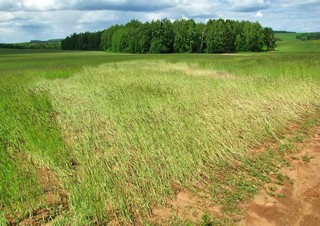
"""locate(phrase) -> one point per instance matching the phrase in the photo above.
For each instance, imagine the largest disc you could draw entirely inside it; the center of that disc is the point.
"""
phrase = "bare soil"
(297, 201)
(187, 206)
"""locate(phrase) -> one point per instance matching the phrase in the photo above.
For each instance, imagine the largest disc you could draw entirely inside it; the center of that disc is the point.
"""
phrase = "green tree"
(269, 39)
(217, 36)
(187, 38)
(132, 35)
(201, 30)
(145, 38)
(240, 39)
(162, 36)
(106, 38)
(79, 43)
(253, 36)
(119, 43)
(182, 36)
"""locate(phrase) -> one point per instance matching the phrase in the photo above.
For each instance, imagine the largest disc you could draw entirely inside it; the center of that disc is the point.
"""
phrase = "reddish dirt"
(187, 206)
(296, 203)
(54, 197)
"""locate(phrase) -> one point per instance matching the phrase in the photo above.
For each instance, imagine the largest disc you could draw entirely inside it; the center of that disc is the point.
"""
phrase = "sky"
(25, 20)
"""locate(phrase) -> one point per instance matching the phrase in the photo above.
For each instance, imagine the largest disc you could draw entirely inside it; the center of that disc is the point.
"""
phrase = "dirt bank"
(297, 200)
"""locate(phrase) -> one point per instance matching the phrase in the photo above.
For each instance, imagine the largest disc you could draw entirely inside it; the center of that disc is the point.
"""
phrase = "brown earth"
(297, 201)
(187, 206)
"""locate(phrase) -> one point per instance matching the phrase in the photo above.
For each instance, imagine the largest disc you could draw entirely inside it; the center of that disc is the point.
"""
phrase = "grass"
(306, 158)
(117, 130)
(289, 44)
(287, 37)
(162, 122)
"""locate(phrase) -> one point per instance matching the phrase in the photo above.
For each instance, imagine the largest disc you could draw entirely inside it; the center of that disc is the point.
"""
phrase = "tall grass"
(133, 128)
(117, 130)
(30, 138)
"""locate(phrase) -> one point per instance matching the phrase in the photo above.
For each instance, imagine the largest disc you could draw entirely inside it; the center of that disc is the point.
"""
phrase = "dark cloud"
(249, 5)
(247, 9)
(134, 6)
(85, 5)
(203, 16)
(7, 5)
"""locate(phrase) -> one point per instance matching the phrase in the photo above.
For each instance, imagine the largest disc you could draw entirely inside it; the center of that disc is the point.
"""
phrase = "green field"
(289, 44)
(122, 134)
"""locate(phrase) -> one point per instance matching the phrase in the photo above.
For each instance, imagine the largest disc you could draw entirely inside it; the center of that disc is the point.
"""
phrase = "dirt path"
(297, 201)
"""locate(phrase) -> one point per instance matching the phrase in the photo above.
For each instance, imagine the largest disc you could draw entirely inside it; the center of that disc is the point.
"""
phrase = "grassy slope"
(289, 44)
(288, 37)
(122, 122)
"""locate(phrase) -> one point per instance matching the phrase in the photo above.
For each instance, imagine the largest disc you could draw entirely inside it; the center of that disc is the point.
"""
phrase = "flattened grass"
(118, 134)
(135, 127)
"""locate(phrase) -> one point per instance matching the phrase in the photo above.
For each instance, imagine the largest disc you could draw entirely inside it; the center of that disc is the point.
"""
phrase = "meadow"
(120, 135)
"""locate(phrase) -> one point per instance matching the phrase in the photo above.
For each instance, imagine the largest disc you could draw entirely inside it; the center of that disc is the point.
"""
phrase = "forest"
(33, 44)
(180, 36)
(309, 36)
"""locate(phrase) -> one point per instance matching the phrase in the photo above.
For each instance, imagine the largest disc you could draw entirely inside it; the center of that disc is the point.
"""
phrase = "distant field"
(289, 44)
(287, 37)
(97, 138)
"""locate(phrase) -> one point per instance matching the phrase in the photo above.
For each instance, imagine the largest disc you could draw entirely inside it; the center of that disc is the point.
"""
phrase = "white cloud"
(153, 16)
(38, 5)
(199, 7)
(97, 17)
(187, 9)
(22, 20)
(6, 16)
(259, 14)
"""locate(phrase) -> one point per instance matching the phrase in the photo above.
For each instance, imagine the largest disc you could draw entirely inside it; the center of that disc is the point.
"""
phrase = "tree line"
(180, 36)
(34, 44)
(309, 36)
(82, 41)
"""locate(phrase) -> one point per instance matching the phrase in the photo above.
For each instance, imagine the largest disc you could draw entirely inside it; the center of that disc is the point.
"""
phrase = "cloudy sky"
(25, 20)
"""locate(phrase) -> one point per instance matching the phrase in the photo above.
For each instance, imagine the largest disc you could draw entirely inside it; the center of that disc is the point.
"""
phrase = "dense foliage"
(82, 41)
(33, 44)
(180, 36)
(309, 36)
